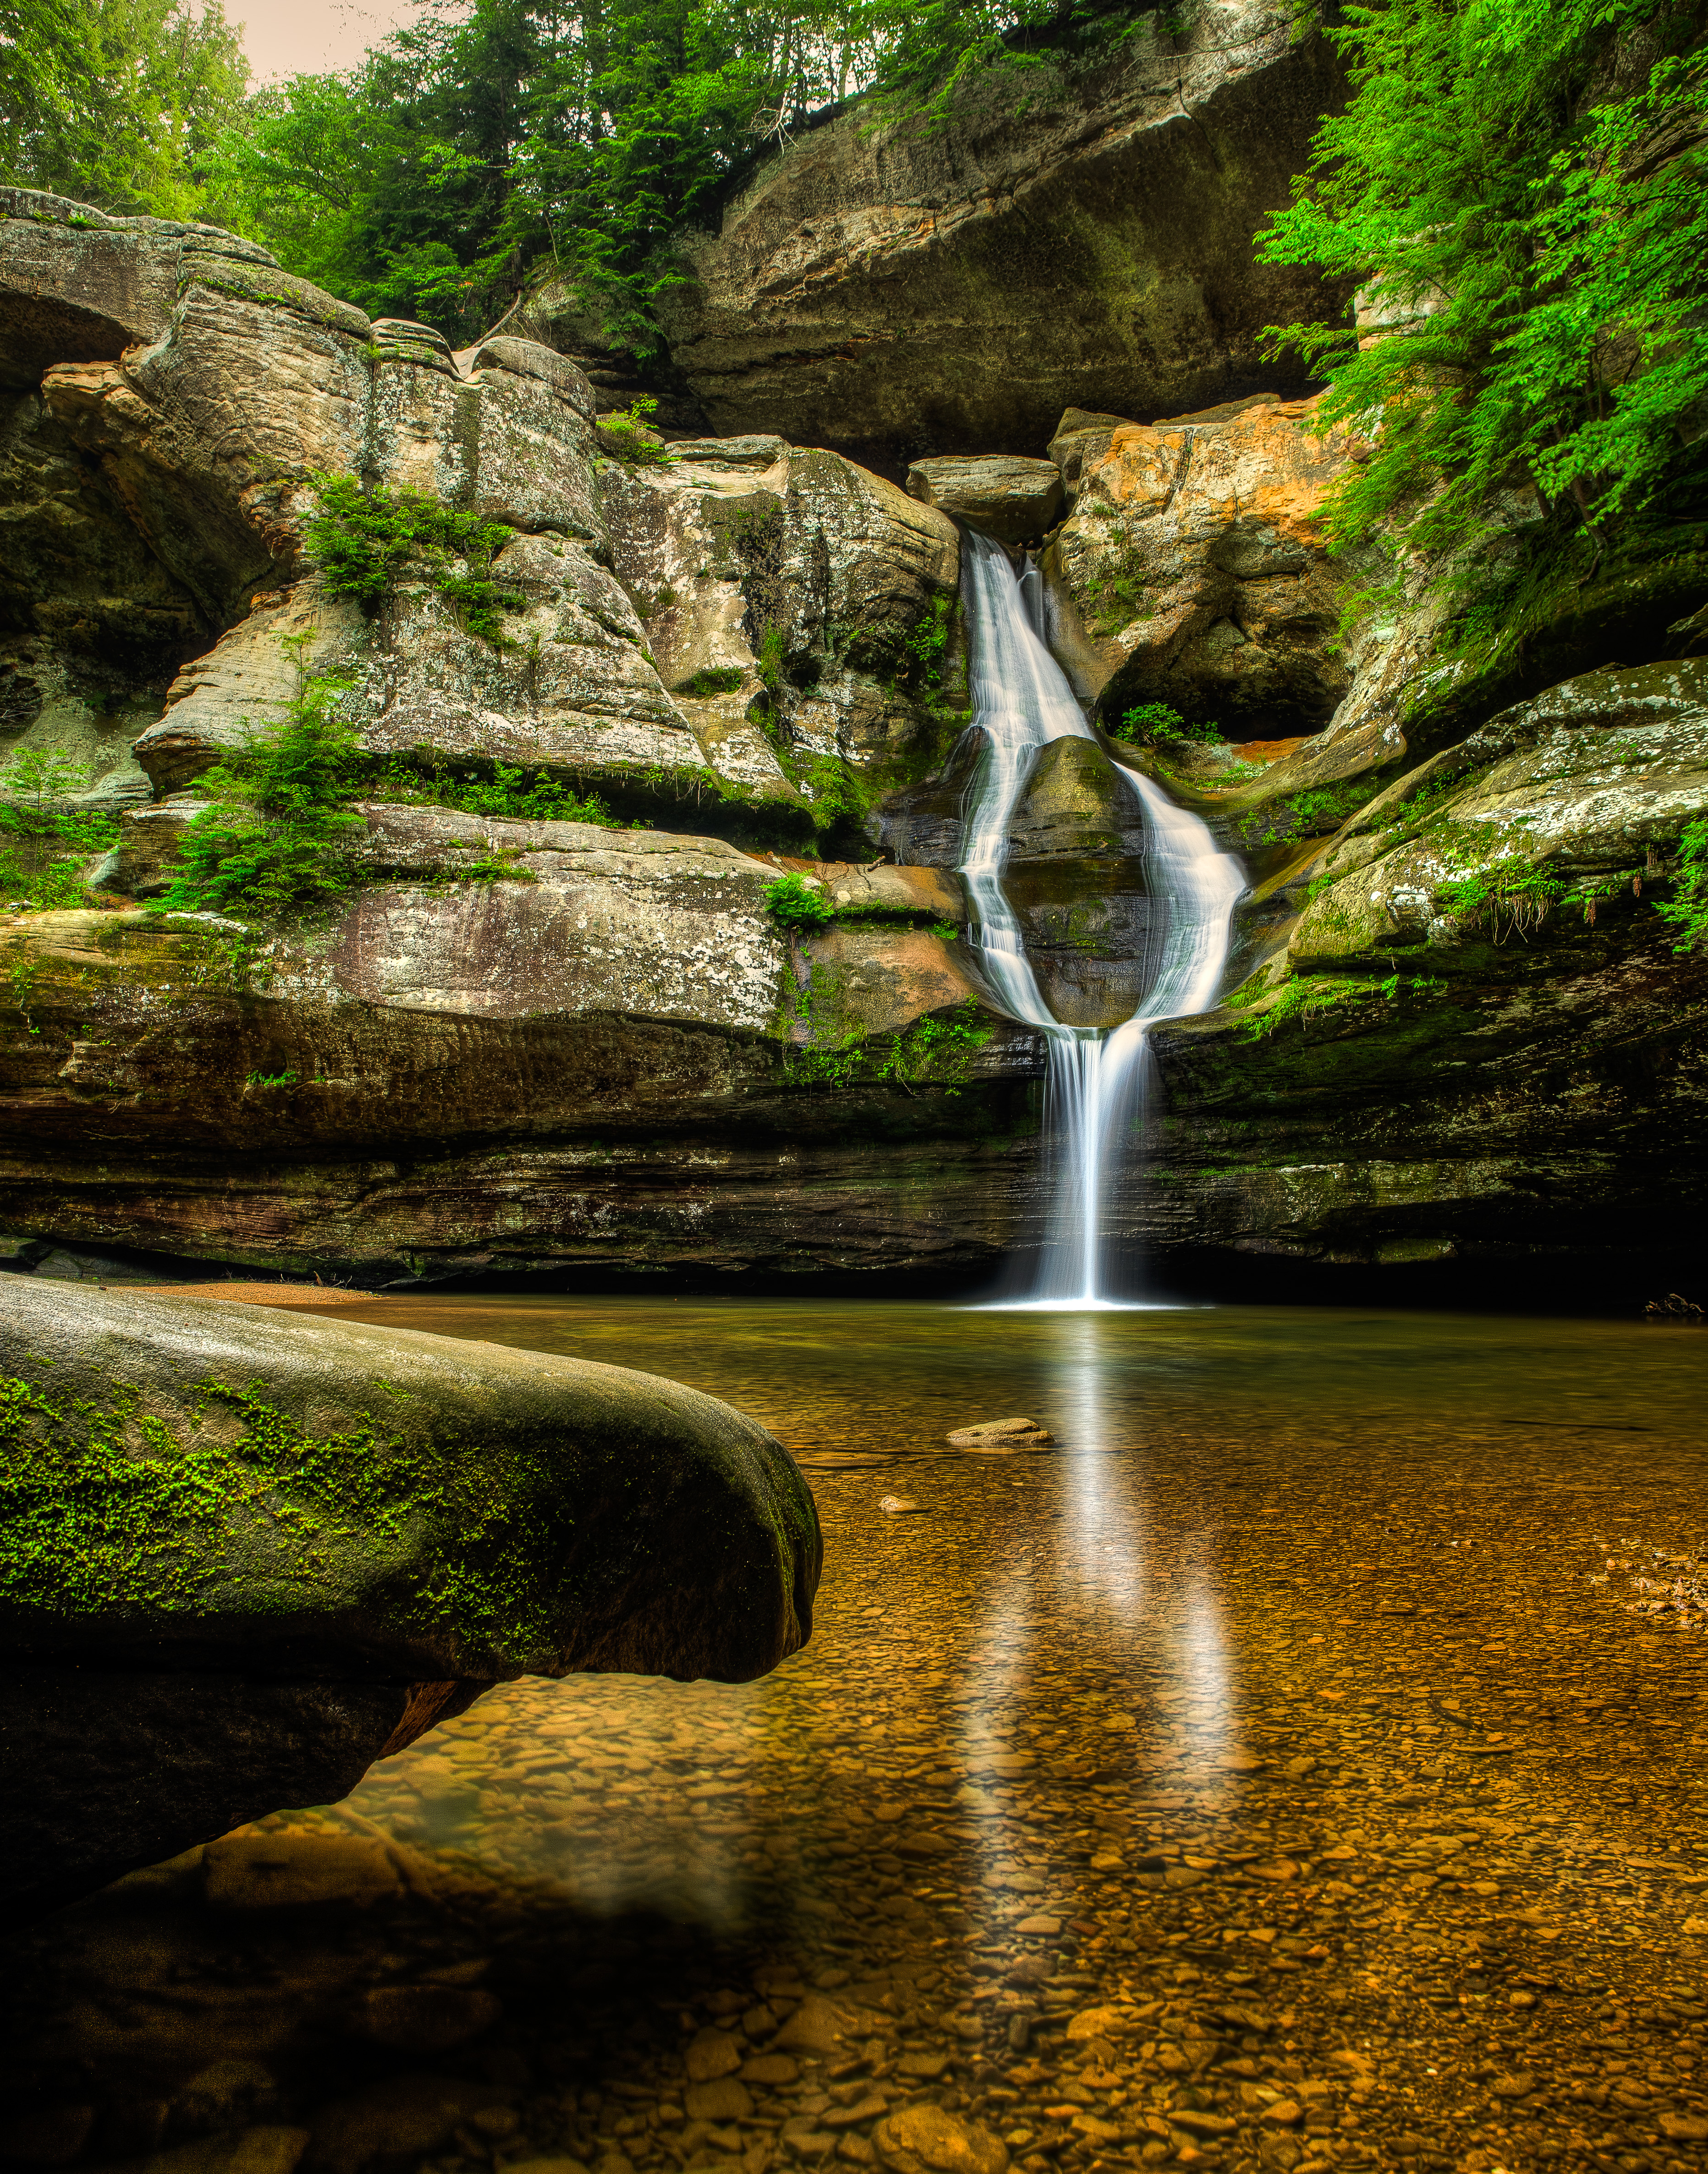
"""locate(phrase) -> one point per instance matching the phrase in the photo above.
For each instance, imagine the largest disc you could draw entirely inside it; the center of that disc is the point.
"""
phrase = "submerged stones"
(245, 1555)
(925, 2140)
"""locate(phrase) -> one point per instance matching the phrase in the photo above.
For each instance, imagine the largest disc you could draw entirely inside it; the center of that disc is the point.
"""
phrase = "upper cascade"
(1094, 1099)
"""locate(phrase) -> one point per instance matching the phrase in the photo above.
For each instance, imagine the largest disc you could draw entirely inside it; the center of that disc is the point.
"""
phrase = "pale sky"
(308, 37)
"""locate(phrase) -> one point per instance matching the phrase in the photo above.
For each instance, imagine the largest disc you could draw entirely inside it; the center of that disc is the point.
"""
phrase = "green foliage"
(484, 147)
(937, 1050)
(40, 774)
(118, 102)
(508, 793)
(365, 541)
(1527, 186)
(501, 867)
(794, 905)
(927, 642)
(629, 433)
(1505, 898)
(1318, 811)
(1686, 910)
(769, 663)
(1155, 724)
(842, 796)
(1306, 994)
(47, 850)
(276, 836)
(714, 679)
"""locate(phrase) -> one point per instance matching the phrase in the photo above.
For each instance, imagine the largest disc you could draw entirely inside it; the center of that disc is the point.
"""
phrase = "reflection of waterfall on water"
(1099, 1077)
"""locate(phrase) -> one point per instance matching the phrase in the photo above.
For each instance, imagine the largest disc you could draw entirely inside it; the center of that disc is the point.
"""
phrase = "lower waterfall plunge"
(1099, 1077)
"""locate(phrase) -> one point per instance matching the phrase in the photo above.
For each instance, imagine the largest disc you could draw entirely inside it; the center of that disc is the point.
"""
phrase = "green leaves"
(1687, 907)
(1159, 724)
(1521, 189)
(794, 903)
(118, 102)
(485, 148)
(366, 542)
(276, 839)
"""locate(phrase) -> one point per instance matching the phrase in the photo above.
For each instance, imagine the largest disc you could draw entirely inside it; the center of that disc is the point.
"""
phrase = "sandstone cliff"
(1456, 1027)
(1080, 234)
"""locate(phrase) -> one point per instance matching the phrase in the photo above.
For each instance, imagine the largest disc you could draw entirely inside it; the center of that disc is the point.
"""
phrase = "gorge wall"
(1457, 1028)
(1079, 235)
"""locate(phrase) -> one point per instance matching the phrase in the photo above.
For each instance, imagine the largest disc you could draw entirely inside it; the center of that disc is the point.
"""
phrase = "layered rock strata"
(245, 1555)
(186, 452)
(908, 289)
(566, 1049)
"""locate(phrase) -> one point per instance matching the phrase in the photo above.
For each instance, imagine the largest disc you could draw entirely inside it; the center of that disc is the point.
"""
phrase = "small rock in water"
(997, 1437)
(899, 1506)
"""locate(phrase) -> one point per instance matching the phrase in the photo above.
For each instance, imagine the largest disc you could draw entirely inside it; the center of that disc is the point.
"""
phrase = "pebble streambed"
(1297, 1766)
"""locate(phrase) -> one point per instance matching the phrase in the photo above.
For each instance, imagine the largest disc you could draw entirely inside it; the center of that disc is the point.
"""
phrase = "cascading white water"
(1099, 1077)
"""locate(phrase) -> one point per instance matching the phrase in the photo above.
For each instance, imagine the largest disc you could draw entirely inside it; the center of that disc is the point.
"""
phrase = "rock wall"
(1078, 235)
(186, 452)
(1455, 1026)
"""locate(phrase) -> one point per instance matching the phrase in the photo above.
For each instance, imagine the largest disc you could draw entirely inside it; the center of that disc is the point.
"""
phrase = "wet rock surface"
(1485, 924)
(246, 1554)
(1143, 1804)
(1012, 499)
(579, 1072)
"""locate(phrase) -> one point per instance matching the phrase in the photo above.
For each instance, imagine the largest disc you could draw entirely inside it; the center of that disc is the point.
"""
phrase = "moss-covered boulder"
(1565, 799)
(243, 1555)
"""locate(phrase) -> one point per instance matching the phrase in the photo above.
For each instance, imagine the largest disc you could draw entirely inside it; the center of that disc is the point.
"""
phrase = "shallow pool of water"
(1298, 1764)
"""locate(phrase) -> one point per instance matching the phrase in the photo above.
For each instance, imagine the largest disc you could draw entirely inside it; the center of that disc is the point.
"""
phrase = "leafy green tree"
(1525, 188)
(38, 775)
(120, 103)
(471, 153)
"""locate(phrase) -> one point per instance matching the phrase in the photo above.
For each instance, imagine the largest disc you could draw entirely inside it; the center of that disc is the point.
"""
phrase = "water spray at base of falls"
(1100, 1077)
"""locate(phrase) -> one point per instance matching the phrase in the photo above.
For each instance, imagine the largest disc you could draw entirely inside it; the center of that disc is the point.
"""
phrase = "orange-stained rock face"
(1257, 476)
(1195, 557)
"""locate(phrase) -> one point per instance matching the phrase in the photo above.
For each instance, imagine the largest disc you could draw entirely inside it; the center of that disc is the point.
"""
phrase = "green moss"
(1114, 587)
(1306, 994)
(937, 1050)
(1556, 606)
(107, 1511)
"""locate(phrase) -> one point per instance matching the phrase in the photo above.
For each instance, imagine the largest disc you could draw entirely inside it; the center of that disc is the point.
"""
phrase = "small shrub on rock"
(1153, 724)
(276, 838)
(794, 903)
(366, 542)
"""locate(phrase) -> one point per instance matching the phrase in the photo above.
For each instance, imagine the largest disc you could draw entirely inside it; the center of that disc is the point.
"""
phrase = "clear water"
(1284, 1723)
(1099, 1080)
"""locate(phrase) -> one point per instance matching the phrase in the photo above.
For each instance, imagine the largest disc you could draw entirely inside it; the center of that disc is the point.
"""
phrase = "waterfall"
(1099, 1077)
